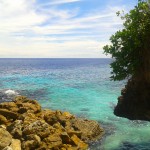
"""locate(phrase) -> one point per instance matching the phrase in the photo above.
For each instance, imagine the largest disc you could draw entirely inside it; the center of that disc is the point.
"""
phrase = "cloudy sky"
(58, 28)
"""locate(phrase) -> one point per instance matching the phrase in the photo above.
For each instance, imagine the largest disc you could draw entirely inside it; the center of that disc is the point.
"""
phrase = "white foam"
(11, 92)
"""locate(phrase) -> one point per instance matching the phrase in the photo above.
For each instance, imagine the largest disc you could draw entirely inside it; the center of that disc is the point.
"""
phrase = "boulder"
(3, 120)
(8, 114)
(36, 129)
(5, 138)
(26, 105)
(53, 141)
(11, 106)
(16, 129)
(65, 138)
(90, 129)
(77, 142)
(15, 144)
(40, 127)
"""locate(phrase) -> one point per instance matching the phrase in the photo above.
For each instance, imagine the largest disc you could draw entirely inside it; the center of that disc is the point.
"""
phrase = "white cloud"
(58, 2)
(29, 30)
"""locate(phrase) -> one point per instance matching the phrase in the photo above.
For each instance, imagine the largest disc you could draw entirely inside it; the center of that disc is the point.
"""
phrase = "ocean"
(80, 86)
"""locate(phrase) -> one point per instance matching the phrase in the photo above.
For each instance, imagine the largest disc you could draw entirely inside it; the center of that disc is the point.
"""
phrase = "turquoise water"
(81, 86)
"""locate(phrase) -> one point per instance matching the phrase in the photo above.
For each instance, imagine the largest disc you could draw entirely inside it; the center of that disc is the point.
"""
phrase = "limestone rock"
(36, 129)
(40, 127)
(16, 144)
(16, 129)
(24, 104)
(65, 138)
(53, 141)
(90, 129)
(11, 106)
(80, 144)
(7, 148)
(5, 138)
(3, 120)
(8, 114)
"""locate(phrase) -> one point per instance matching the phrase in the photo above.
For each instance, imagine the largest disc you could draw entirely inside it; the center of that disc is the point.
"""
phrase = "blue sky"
(58, 28)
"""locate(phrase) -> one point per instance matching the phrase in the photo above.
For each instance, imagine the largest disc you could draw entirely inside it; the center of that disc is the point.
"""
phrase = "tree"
(130, 50)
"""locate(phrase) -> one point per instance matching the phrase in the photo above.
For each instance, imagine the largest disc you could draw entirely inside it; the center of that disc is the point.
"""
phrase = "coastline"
(25, 123)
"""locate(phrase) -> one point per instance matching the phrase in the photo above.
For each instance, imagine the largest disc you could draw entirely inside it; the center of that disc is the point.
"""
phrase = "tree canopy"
(128, 45)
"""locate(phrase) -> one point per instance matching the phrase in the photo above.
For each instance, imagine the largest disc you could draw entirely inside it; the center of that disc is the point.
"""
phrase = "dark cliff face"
(134, 102)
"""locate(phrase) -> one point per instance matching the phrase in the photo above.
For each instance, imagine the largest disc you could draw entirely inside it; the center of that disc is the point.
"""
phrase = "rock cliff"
(134, 102)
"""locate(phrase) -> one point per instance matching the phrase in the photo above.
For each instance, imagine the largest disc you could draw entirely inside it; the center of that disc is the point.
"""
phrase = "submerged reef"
(24, 125)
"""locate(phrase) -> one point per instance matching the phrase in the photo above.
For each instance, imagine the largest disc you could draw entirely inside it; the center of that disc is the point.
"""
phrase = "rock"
(5, 138)
(11, 106)
(72, 132)
(24, 104)
(28, 118)
(53, 141)
(8, 114)
(7, 148)
(80, 144)
(134, 101)
(16, 144)
(3, 126)
(40, 127)
(35, 138)
(3, 120)
(49, 117)
(65, 138)
(67, 115)
(36, 129)
(16, 129)
(28, 145)
(90, 129)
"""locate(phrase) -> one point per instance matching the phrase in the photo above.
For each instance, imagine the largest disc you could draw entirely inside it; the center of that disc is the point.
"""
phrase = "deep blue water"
(81, 86)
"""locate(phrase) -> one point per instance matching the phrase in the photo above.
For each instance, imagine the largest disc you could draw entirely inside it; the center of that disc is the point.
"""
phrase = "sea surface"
(81, 86)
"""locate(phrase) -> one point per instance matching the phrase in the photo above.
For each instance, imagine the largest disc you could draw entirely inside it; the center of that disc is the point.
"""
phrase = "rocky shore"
(134, 102)
(25, 126)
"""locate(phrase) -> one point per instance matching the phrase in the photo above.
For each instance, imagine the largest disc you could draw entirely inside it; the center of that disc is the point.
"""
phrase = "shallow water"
(81, 86)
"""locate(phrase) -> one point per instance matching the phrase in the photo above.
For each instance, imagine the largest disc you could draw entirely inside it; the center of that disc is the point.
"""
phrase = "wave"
(7, 95)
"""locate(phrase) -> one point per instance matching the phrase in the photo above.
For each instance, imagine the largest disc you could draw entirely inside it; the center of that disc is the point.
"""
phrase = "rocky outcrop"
(26, 126)
(5, 138)
(134, 102)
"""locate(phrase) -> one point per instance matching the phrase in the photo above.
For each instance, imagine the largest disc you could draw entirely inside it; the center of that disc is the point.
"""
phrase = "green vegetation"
(130, 47)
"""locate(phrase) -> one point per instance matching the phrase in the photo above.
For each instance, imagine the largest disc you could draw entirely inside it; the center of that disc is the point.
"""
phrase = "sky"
(58, 28)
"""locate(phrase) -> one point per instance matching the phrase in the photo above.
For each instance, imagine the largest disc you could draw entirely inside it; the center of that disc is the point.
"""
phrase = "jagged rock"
(28, 118)
(34, 137)
(32, 141)
(24, 104)
(72, 132)
(65, 138)
(16, 129)
(90, 129)
(40, 127)
(80, 144)
(53, 141)
(15, 144)
(8, 114)
(67, 115)
(3, 126)
(3, 120)
(5, 138)
(28, 145)
(7, 148)
(11, 106)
